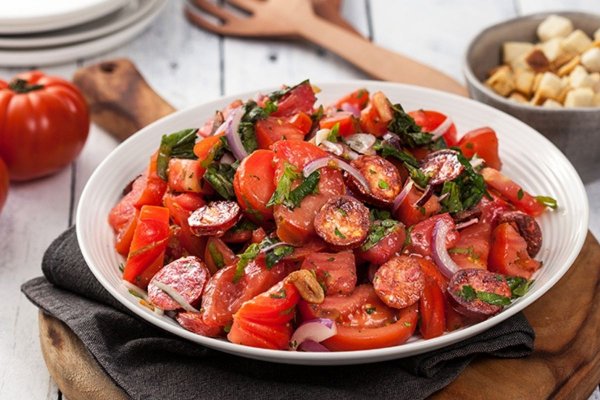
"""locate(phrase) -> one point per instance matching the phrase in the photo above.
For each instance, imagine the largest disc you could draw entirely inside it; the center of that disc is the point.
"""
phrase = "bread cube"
(554, 26)
(569, 67)
(520, 63)
(580, 97)
(552, 49)
(577, 42)
(524, 81)
(591, 59)
(597, 35)
(550, 86)
(580, 78)
(502, 81)
(512, 50)
(537, 61)
(518, 98)
(595, 77)
(552, 104)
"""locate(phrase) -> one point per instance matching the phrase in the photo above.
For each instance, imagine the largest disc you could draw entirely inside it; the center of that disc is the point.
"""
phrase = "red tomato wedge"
(336, 271)
(374, 119)
(254, 184)
(302, 121)
(185, 175)
(148, 245)
(154, 187)
(180, 208)
(513, 192)
(484, 143)
(346, 122)
(421, 234)
(429, 120)
(508, 254)
(217, 255)
(272, 129)
(300, 99)
(432, 307)
(359, 99)
(473, 247)
(409, 213)
(124, 211)
(125, 235)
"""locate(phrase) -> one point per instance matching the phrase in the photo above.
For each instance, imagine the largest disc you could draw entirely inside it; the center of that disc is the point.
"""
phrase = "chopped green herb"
(383, 184)
(451, 203)
(284, 186)
(330, 259)
(136, 294)
(277, 254)
(176, 145)
(308, 186)
(245, 258)
(220, 177)
(370, 310)
(493, 298)
(470, 145)
(280, 294)
(468, 251)
(407, 324)
(338, 233)
(216, 255)
(471, 185)
(547, 201)
(376, 214)
(270, 107)
(467, 292)
(334, 133)
(520, 194)
(278, 94)
(287, 311)
(377, 231)
(518, 285)
(410, 134)
(227, 328)
(121, 267)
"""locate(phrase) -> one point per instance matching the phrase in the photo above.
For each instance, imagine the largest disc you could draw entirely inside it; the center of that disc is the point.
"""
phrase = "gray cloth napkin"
(148, 363)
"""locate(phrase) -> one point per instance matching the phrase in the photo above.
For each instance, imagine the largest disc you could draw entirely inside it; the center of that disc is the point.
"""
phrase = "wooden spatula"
(296, 19)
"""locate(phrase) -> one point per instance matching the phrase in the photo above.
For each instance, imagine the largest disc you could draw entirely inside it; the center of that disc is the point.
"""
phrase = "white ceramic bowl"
(528, 157)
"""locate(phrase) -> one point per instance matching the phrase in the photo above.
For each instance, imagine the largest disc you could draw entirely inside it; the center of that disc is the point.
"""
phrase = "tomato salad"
(280, 224)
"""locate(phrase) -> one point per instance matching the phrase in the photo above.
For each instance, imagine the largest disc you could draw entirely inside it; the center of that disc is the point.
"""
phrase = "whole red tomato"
(44, 124)
(3, 184)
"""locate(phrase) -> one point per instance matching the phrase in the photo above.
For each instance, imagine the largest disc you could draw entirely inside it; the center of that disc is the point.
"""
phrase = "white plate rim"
(59, 20)
(126, 16)
(64, 54)
(346, 357)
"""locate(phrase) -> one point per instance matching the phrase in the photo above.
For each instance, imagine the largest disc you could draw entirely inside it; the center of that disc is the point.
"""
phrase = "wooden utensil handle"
(121, 101)
(374, 60)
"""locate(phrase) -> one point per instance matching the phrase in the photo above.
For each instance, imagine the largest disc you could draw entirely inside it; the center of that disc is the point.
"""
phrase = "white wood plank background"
(188, 66)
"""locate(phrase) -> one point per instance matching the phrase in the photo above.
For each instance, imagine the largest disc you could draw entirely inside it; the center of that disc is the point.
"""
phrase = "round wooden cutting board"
(566, 361)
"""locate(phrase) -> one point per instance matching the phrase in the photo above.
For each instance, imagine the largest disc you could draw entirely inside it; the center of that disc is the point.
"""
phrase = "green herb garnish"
(245, 258)
(377, 231)
(216, 255)
(410, 134)
(176, 145)
(518, 285)
(547, 201)
(220, 177)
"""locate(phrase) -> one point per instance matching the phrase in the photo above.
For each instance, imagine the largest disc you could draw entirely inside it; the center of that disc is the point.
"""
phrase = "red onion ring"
(402, 195)
(312, 346)
(424, 197)
(233, 134)
(441, 128)
(465, 224)
(316, 330)
(335, 163)
(439, 252)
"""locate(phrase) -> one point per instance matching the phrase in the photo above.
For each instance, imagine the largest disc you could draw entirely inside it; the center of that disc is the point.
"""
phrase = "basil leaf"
(547, 201)
(308, 186)
(467, 292)
(216, 255)
(471, 184)
(277, 254)
(377, 231)
(245, 258)
(389, 150)
(406, 128)
(176, 145)
(451, 203)
(278, 94)
(220, 177)
(493, 298)
(284, 186)
(334, 134)
(518, 285)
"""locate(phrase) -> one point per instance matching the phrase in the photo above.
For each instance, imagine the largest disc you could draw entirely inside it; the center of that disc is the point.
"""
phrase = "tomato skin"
(422, 233)
(154, 188)
(473, 247)
(359, 99)
(180, 208)
(302, 121)
(300, 99)
(337, 271)
(354, 338)
(375, 118)
(204, 149)
(432, 309)
(484, 142)
(51, 122)
(513, 192)
(271, 307)
(429, 120)
(431, 271)
(214, 248)
(385, 248)
(4, 181)
(508, 254)
(122, 213)
(148, 245)
(254, 185)
(409, 214)
(185, 175)
(272, 129)
(347, 123)
(125, 235)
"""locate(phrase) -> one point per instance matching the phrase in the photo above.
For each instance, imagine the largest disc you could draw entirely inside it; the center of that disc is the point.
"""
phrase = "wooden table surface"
(188, 66)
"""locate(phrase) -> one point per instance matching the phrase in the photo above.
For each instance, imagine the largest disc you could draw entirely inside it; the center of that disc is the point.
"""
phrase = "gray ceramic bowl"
(575, 131)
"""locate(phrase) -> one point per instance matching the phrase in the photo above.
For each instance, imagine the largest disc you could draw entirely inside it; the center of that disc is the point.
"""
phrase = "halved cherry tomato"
(254, 185)
(154, 188)
(421, 234)
(359, 99)
(429, 120)
(148, 245)
(185, 175)
(302, 121)
(346, 122)
(217, 255)
(432, 308)
(272, 129)
(336, 271)
(513, 192)
(508, 254)
(354, 338)
(301, 98)
(484, 143)
(410, 214)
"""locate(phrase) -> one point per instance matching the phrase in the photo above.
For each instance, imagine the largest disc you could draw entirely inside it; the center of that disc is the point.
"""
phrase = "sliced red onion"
(441, 129)
(275, 245)
(312, 346)
(351, 108)
(335, 163)
(361, 142)
(402, 195)
(233, 134)
(424, 197)
(316, 330)
(221, 128)
(175, 295)
(465, 224)
(439, 252)
(227, 159)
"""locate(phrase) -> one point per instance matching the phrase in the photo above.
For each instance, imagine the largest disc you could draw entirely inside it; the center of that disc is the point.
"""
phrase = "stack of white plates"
(42, 32)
